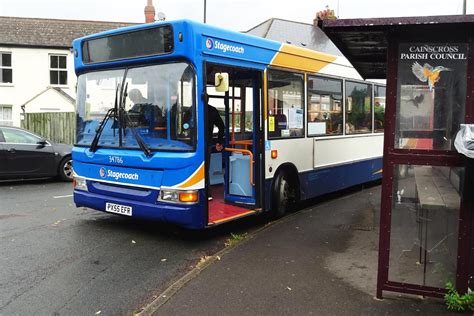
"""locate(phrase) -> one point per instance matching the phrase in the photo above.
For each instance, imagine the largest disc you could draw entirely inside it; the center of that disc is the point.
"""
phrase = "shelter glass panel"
(424, 225)
(431, 95)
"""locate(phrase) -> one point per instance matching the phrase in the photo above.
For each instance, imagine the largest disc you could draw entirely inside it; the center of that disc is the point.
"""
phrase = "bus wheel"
(281, 196)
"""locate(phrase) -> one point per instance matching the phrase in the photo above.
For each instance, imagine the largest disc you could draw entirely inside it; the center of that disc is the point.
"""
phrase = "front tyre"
(65, 169)
(282, 201)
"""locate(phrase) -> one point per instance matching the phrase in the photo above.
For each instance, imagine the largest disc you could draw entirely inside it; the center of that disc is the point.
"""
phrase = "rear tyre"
(282, 200)
(65, 169)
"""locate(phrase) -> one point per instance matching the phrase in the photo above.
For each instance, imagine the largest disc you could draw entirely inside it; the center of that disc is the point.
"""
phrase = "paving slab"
(320, 260)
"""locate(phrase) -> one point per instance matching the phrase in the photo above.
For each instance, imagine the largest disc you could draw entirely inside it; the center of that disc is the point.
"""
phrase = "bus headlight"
(170, 196)
(179, 196)
(80, 184)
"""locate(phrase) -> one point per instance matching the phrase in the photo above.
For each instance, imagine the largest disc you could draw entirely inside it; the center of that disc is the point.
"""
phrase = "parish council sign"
(434, 52)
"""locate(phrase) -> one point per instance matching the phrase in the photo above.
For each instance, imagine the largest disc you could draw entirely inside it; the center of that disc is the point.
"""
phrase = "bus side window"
(285, 104)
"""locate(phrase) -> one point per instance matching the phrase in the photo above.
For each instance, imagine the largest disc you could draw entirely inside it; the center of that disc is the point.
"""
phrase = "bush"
(456, 302)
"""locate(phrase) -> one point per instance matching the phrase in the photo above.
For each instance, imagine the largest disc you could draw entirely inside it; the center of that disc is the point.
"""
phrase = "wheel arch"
(60, 161)
(59, 166)
(292, 172)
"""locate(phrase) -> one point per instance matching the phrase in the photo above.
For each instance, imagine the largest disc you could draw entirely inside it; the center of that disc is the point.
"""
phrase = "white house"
(35, 57)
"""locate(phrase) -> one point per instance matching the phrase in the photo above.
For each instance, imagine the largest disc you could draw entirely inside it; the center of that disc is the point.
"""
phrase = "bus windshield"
(159, 104)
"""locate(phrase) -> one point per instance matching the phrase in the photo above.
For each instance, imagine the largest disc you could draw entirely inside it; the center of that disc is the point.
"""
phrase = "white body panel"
(341, 68)
(341, 150)
(298, 151)
(314, 153)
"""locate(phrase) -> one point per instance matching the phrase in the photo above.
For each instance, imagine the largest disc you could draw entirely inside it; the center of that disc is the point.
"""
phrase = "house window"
(57, 70)
(6, 72)
(6, 118)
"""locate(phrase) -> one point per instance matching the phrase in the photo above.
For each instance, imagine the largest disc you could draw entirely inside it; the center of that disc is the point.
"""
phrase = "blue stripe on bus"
(327, 180)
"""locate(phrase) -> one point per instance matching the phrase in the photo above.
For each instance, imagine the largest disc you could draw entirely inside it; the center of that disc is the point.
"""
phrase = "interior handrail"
(244, 152)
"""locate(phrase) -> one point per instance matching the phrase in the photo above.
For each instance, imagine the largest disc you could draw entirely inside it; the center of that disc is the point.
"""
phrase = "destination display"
(159, 40)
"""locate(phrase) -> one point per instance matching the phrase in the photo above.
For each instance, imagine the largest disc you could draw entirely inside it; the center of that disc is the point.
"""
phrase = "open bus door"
(234, 173)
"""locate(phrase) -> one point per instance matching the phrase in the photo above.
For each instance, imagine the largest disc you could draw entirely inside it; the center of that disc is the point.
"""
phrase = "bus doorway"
(233, 183)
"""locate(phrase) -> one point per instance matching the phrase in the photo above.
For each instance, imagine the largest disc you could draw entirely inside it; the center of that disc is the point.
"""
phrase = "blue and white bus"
(297, 125)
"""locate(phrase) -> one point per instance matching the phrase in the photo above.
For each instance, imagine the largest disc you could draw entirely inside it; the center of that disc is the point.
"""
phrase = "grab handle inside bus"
(244, 152)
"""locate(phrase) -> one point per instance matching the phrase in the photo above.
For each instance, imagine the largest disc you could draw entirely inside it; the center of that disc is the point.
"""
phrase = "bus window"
(324, 106)
(160, 107)
(358, 107)
(379, 107)
(285, 104)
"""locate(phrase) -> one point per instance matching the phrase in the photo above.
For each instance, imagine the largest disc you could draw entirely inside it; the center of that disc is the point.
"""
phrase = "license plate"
(118, 209)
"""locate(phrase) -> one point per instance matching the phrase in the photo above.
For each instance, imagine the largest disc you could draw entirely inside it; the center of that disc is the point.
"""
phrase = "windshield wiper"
(124, 116)
(95, 141)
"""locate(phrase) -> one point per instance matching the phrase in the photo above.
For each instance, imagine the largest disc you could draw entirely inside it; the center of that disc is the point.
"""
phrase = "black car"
(24, 154)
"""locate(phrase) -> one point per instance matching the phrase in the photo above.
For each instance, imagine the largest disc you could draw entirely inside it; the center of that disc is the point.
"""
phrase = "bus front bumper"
(191, 216)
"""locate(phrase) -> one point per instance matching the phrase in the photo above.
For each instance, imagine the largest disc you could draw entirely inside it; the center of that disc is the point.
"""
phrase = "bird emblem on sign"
(428, 73)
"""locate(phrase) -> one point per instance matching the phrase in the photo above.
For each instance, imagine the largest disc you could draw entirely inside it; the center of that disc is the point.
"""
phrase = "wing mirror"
(221, 82)
(42, 142)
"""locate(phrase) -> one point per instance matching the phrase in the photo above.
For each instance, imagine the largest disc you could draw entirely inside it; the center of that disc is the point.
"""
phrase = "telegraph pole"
(464, 5)
(204, 11)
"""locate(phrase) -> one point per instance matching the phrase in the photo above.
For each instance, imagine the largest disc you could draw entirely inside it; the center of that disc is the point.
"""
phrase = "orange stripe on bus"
(231, 217)
(380, 171)
(198, 176)
(299, 58)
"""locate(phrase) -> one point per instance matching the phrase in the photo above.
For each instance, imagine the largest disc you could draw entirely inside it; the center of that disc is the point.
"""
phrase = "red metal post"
(465, 263)
(387, 181)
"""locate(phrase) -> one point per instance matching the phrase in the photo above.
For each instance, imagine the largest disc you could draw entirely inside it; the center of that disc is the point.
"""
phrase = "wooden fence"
(55, 126)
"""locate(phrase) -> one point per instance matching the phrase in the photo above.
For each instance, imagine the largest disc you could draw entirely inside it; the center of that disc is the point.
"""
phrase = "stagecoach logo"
(210, 44)
(104, 173)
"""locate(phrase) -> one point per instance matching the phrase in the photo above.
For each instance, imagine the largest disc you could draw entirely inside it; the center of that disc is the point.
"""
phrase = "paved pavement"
(57, 259)
(321, 261)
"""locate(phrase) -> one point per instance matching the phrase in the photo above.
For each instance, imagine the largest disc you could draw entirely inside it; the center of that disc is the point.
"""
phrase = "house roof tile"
(34, 32)
(295, 33)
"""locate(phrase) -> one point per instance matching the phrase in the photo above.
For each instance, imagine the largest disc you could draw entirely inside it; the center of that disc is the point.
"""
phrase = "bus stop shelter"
(427, 209)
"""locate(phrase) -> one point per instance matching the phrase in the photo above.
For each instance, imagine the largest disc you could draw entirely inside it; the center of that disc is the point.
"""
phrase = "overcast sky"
(236, 15)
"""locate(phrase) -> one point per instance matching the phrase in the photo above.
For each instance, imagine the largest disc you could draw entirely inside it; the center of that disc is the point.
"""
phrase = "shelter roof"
(365, 41)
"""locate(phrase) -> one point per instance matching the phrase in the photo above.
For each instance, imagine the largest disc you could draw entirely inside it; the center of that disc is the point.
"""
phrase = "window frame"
(304, 77)
(39, 138)
(2, 121)
(375, 131)
(369, 84)
(58, 70)
(343, 102)
(6, 67)
(195, 107)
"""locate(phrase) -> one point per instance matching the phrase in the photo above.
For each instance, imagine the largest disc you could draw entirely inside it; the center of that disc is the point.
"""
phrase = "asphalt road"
(57, 259)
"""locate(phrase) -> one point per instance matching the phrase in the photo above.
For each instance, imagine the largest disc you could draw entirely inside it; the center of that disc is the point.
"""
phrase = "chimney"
(149, 12)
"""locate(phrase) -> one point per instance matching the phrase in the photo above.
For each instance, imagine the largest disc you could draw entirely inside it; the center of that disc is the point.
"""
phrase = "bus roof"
(209, 42)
